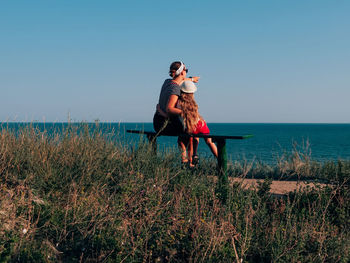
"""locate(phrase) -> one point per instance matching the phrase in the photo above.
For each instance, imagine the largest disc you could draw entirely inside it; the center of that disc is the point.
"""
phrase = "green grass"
(80, 197)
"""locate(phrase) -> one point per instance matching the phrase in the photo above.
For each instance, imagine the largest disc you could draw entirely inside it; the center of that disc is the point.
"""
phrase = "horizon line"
(130, 122)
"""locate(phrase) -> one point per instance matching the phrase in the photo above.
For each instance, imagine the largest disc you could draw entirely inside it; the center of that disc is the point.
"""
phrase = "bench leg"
(153, 141)
(222, 187)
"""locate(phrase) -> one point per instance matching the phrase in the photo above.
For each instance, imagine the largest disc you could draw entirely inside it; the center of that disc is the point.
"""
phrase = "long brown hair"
(189, 109)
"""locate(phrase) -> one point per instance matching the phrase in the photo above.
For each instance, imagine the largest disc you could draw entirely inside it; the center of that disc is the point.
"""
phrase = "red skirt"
(201, 127)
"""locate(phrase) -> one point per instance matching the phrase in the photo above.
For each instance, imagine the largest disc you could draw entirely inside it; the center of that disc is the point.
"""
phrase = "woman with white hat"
(193, 121)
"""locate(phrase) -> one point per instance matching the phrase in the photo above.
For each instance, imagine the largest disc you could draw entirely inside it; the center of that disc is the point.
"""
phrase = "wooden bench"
(220, 141)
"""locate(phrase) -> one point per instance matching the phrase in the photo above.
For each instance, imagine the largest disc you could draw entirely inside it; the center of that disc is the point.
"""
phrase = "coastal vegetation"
(80, 195)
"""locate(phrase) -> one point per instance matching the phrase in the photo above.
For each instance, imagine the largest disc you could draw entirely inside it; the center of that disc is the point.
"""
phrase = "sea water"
(271, 142)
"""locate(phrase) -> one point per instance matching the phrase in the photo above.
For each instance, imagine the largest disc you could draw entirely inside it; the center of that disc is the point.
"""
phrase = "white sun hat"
(188, 87)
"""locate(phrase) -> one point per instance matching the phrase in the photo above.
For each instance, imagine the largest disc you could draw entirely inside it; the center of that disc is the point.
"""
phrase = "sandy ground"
(277, 187)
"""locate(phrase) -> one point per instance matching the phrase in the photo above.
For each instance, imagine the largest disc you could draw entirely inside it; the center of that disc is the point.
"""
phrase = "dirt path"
(277, 187)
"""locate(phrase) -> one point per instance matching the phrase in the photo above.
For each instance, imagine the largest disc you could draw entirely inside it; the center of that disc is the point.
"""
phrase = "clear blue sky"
(259, 61)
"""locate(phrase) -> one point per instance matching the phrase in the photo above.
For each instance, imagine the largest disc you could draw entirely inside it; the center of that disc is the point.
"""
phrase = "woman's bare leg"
(212, 146)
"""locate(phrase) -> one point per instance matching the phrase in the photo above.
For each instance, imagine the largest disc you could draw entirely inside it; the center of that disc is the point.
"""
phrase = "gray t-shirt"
(169, 88)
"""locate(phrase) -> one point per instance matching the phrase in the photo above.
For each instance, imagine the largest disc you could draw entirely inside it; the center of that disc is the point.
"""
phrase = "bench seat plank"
(218, 137)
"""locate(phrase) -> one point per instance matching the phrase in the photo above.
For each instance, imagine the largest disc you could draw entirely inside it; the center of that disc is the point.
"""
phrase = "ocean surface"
(271, 142)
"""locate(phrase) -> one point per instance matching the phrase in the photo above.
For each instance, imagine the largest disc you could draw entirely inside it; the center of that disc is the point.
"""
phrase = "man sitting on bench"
(194, 122)
(170, 122)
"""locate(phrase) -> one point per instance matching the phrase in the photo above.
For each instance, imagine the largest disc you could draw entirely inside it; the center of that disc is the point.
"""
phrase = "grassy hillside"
(81, 197)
